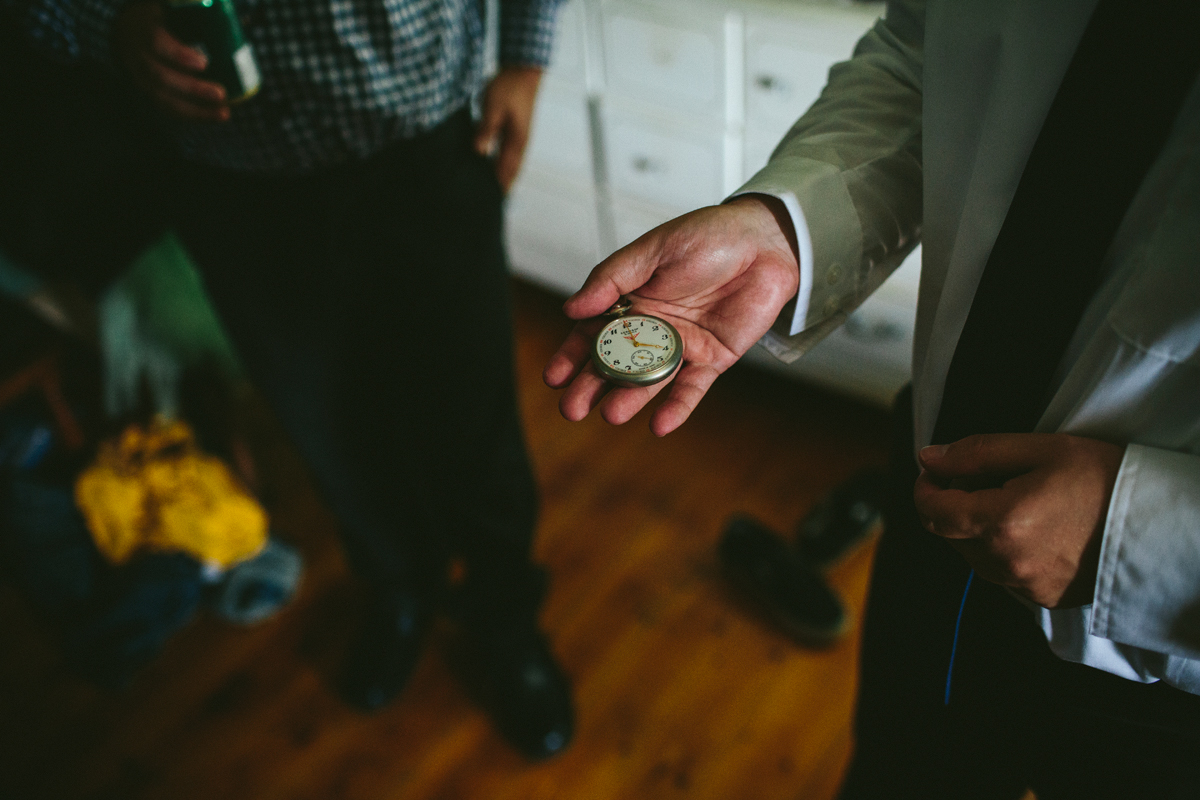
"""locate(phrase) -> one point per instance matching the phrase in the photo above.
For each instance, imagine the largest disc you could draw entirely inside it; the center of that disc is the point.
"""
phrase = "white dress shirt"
(926, 141)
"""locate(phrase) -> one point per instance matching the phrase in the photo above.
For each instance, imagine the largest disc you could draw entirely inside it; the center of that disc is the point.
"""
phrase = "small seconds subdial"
(637, 350)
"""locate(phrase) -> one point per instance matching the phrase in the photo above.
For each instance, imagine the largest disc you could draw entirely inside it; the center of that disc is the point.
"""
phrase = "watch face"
(637, 347)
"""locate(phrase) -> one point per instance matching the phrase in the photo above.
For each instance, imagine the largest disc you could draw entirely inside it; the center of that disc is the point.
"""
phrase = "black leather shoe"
(520, 684)
(793, 595)
(848, 516)
(387, 650)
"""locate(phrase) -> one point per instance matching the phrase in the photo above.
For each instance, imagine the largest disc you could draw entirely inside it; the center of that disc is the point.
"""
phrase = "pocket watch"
(636, 349)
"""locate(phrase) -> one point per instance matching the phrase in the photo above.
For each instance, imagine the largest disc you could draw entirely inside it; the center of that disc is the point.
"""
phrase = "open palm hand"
(720, 275)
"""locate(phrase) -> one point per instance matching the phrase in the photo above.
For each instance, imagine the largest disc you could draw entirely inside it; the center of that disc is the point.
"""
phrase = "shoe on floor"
(845, 518)
(520, 684)
(791, 593)
(386, 652)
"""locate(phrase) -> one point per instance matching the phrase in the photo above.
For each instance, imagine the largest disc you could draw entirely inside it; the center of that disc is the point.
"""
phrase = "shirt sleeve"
(96, 18)
(72, 29)
(849, 172)
(1148, 585)
(527, 32)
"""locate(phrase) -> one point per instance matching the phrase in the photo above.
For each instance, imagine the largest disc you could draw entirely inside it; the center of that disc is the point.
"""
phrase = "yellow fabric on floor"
(153, 488)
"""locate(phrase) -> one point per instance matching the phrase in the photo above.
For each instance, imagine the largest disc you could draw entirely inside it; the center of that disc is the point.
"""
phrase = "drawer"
(761, 141)
(551, 233)
(560, 140)
(567, 60)
(843, 366)
(632, 219)
(902, 286)
(869, 357)
(884, 327)
(672, 167)
(782, 82)
(787, 63)
(669, 63)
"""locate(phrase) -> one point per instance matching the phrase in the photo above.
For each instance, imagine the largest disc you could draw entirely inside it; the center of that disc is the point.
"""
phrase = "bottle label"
(247, 69)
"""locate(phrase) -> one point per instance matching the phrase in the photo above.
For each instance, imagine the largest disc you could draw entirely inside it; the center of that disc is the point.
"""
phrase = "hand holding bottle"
(165, 68)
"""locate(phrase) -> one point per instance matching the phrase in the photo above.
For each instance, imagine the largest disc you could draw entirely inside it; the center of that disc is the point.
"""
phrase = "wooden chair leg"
(43, 374)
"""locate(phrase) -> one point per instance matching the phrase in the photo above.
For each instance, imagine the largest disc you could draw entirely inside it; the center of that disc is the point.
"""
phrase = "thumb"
(489, 128)
(987, 454)
(512, 149)
(625, 271)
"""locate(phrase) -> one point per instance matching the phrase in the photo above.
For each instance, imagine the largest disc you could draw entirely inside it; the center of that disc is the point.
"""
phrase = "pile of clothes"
(121, 550)
(123, 554)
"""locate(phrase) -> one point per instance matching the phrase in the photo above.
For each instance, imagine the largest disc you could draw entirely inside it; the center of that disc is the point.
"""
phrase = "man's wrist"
(531, 72)
(779, 215)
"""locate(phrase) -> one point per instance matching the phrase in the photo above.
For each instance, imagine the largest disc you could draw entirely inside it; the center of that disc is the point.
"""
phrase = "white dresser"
(652, 108)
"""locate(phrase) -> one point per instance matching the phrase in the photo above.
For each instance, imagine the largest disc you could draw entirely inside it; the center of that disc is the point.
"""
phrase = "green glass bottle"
(212, 27)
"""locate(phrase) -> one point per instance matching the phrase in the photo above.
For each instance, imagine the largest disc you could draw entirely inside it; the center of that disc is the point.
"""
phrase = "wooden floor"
(681, 691)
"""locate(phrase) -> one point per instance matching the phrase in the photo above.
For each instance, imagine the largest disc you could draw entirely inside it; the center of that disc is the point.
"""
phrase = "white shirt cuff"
(1148, 583)
(805, 248)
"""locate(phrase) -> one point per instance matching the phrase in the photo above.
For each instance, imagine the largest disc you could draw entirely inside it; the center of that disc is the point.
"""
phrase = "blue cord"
(954, 647)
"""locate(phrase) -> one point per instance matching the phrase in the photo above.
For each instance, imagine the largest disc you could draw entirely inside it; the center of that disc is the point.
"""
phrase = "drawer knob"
(644, 165)
(865, 329)
(768, 83)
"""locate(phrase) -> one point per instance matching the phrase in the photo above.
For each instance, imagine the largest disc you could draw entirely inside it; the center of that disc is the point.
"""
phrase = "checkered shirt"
(341, 79)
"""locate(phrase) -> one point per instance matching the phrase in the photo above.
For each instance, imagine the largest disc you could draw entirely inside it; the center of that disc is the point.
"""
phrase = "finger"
(570, 357)
(988, 558)
(512, 150)
(623, 404)
(689, 386)
(489, 129)
(187, 87)
(190, 110)
(584, 393)
(989, 454)
(979, 554)
(174, 52)
(957, 514)
(622, 272)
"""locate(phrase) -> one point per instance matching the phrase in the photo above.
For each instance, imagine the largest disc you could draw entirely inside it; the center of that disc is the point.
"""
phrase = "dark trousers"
(370, 305)
(1017, 717)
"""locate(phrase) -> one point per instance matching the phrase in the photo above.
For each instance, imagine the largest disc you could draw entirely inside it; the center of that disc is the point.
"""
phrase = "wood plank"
(681, 690)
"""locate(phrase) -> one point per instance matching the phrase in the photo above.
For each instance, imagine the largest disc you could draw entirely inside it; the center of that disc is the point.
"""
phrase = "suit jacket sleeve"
(850, 173)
